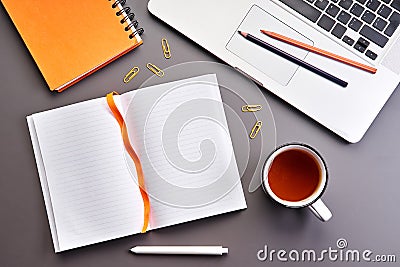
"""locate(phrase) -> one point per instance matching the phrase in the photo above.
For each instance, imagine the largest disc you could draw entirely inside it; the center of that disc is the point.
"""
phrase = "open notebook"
(179, 132)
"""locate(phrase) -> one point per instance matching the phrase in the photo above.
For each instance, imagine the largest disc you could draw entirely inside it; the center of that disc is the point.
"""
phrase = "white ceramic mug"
(313, 201)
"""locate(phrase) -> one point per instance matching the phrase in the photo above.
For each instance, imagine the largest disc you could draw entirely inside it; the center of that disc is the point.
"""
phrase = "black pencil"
(293, 59)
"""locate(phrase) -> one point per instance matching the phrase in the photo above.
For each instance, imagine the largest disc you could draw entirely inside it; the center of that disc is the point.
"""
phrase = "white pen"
(180, 250)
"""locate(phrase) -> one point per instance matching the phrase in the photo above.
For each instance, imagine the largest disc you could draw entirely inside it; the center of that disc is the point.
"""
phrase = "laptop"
(363, 30)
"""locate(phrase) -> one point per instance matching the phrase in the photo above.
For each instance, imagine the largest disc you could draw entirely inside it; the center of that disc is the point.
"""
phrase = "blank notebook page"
(182, 138)
(93, 196)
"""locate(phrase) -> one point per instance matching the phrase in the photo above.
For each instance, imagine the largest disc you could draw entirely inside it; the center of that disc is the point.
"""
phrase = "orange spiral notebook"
(70, 40)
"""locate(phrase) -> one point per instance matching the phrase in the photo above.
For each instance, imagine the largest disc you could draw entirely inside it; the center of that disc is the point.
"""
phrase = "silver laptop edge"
(346, 111)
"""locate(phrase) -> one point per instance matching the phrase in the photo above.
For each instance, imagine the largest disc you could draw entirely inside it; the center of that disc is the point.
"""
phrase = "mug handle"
(320, 210)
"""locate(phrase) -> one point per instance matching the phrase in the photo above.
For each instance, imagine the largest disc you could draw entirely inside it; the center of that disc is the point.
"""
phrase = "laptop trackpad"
(276, 67)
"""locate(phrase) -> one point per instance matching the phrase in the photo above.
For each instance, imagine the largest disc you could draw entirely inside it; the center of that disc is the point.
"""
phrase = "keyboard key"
(396, 4)
(384, 11)
(311, 1)
(374, 36)
(338, 30)
(379, 24)
(321, 4)
(348, 40)
(359, 47)
(355, 24)
(386, 1)
(303, 9)
(371, 54)
(390, 29)
(395, 17)
(368, 16)
(326, 22)
(356, 10)
(394, 23)
(344, 17)
(362, 1)
(363, 42)
(345, 4)
(332, 10)
(373, 4)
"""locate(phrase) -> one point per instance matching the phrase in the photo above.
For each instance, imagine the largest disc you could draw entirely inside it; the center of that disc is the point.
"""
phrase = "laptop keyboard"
(372, 20)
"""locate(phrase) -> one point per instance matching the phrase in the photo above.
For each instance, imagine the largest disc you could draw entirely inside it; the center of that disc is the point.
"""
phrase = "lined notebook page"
(182, 138)
(93, 195)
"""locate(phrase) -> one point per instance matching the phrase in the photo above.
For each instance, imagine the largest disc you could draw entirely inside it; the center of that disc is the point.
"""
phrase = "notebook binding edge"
(128, 17)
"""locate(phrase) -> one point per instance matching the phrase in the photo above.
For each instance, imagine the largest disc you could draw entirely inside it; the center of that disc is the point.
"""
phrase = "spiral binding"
(129, 16)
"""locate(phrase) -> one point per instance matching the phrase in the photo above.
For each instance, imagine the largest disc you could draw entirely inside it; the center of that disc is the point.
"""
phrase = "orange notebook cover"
(70, 40)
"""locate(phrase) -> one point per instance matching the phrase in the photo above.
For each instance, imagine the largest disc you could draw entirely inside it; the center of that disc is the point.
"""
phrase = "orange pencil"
(319, 51)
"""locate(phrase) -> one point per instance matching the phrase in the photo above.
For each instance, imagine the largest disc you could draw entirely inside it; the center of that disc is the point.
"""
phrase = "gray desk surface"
(362, 193)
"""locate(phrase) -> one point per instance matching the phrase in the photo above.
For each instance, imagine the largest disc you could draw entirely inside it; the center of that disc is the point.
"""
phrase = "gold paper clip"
(156, 70)
(255, 130)
(251, 108)
(131, 74)
(165, 48)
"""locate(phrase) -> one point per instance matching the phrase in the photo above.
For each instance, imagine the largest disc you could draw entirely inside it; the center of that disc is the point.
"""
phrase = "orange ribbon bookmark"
(133, 155)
